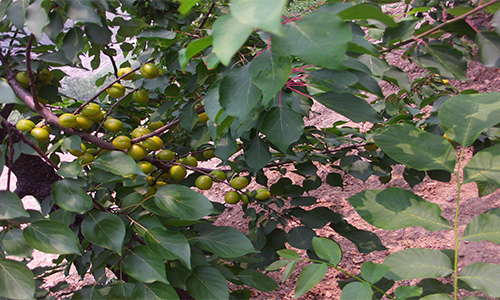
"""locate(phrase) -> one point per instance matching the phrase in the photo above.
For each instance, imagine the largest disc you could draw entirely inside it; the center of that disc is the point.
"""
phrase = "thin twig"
(207, 16)
(111, 111)
(29, 71)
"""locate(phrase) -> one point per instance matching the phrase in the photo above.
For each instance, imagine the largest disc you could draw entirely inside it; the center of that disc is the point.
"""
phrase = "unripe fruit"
(150, 179)
(232, 197)
(137, 152)
(79, 152)
(83, 122)
(25, 125)
(190, 161)
(47, 127)
(122, 142)
(202, 118)
(98, 118)
(146, 167)
(23, 79)
(126, 70)
(139, 131)
(244, 198)
(204, 182)
(239, 182)
(177, 172)
(159, 184)
(153, 143)
(371, 147)
(113, 125)
(45, 76)
(262, 194)
(86, 158)
(116, 90)
(208, 154)
(155, 125)
(219, 175)
(165, 155)
(141, 96)
(149, 71)
(91, 110)
(67, 120)
(151, 191)
(40, 134)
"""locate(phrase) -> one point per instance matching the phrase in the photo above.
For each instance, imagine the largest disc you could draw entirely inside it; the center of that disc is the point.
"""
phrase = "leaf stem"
(455, 227)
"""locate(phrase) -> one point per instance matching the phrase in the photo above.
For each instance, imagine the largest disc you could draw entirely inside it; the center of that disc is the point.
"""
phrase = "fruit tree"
(184, 81)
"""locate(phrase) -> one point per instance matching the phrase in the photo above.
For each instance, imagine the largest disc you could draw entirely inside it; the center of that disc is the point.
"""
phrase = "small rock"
(358, 260)
(450, 198)
(328, 294)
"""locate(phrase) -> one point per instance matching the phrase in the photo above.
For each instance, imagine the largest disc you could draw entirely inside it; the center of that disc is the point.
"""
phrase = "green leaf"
(257, 280)
(118, 163)
(207, 283)
(238, 95)
(121, 290)
(416, 148)
(277, 265)
(404, 292)
(482, 276)
(98, 34)
(69, 195)
(225, 242)
(72, 44)
(14, 243)
(327, 249)
(484, 227)
(170, 245)
(288, 254)
(156, 33)
(445, 60)
(416, 263)
(229, 35)
(282, 127)
(288, 271)
(36, 18)
(82, 11)
(155, 290)
(350, 106)
(396, 208)
(16, 280)
(365, 241)
(308, 278)
(8, 95)
(144, 265)
(192, 49)
(484, 166)
(488, 48)
(319, 38)
(270, 72)
(51, 236)
(182, 202)
(366, 12)
(104, 229)
(301, 237)
(16, 13)
(373, 272)
(437, 297)
(356, 291)
(465, 116)
(249, 12)
(186, 5)
(257, 154)
(11, 206)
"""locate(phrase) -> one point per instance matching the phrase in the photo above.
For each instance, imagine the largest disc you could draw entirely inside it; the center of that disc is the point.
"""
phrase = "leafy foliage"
(226, 80)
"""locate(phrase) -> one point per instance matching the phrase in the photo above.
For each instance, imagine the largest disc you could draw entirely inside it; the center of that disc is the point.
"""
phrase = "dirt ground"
(444, 194)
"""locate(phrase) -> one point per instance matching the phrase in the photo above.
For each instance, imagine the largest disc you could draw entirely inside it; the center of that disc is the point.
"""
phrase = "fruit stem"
(455, 227)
